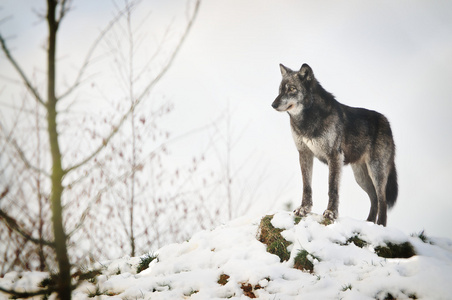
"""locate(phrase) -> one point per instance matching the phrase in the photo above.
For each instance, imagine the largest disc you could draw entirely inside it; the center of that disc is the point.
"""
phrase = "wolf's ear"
(306, 73)
(284, 70)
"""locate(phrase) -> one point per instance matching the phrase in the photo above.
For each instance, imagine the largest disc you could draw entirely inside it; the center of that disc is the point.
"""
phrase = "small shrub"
(302, 262)
(357, 241)
(272, 237)
(267, 231)
(96, 292)
(248, 290)
(388, 296)
(191, 293)
(347, 287)
(423, 237)
(49, 282)
(258, 287)
(223, 279)
(279, 248)
(145, 261)
(404, 250)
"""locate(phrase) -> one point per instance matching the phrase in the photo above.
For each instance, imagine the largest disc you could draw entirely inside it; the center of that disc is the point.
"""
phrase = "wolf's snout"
(275, 104)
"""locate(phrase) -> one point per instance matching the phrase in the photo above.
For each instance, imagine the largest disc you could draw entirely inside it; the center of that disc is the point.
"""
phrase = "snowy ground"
(191, 270)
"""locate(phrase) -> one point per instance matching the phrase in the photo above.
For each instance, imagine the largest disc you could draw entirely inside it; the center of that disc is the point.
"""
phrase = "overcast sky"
(391, 56)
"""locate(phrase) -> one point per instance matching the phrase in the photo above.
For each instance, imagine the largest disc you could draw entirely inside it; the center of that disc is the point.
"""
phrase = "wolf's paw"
(302, 211)
(330, 215)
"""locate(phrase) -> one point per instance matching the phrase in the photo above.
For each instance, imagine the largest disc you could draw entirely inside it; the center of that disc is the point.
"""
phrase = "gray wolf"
(338, 135)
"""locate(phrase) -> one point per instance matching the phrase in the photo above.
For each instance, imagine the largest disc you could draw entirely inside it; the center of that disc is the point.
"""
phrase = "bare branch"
(21, 295)
(141, 96)
(86, 62)
(64, 8)
(4, 193)
(17, 108)
(127, 173)
(12, 224)
(21, 154)
(5, 19)
(52, 288)
(103, 145)
(10, 140)
(19, 70)
(173, 55)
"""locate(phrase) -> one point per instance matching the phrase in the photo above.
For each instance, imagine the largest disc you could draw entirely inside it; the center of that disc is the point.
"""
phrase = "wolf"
(338, 135)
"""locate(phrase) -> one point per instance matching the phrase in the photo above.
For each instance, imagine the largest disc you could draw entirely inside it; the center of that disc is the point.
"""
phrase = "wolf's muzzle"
(276, 103)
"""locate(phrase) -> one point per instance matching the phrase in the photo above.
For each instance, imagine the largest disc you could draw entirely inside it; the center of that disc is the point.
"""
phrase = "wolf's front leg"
(306, 162)
(335, 168)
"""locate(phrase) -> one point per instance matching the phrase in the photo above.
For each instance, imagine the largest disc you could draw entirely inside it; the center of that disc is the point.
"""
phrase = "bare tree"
(239, 179)
(134, 202)
(55, 175)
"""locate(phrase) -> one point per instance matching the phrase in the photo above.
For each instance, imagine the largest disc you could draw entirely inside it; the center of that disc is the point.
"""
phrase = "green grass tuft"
(423, 237)
(96, 292)
(357, 241)
(191, 293)
(302, 261)
(145, 261)
(49, 282)
(279, 248)
(297, 219)
(404, 250)
(347, 287)
(272, 237)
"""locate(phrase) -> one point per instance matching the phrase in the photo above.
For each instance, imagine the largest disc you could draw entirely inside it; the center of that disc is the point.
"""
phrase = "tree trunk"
(64, 278)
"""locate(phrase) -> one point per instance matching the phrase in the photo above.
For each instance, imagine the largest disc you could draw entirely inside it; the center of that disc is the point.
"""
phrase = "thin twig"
(127, 173)
(12, 224)
(146, 90)
(173, 55)
(78, 79)
(63, 10)
(19, 70)
(24, 158)
(9, 139)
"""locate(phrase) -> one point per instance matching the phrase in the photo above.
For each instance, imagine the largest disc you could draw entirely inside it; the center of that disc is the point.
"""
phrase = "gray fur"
(338, 135)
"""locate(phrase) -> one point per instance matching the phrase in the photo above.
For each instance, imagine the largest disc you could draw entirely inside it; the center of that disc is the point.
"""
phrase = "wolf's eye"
(292, 89)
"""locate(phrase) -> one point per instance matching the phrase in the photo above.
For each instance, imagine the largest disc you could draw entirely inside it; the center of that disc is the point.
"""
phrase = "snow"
(190, 270)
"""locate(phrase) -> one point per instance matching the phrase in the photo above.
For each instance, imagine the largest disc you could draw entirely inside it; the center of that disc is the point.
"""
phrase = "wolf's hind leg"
(306, 162)
(379, 179)
(365, 182)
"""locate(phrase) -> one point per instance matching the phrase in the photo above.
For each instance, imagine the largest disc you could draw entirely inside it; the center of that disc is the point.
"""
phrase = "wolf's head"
(295, 90)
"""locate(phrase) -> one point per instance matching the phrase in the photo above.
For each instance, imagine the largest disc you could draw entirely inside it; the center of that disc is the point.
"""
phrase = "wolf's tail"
(392, 188)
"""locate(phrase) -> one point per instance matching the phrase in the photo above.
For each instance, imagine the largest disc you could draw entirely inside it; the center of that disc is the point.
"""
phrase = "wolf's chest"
(316, 145)
(320, 146)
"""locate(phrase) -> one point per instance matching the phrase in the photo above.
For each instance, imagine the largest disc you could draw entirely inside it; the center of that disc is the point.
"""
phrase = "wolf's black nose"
(275, 105)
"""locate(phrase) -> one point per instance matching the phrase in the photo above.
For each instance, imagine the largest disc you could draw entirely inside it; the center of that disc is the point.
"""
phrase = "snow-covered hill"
(231, 263)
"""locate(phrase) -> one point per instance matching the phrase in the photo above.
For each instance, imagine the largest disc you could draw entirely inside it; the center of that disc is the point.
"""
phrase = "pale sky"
(394, 57)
